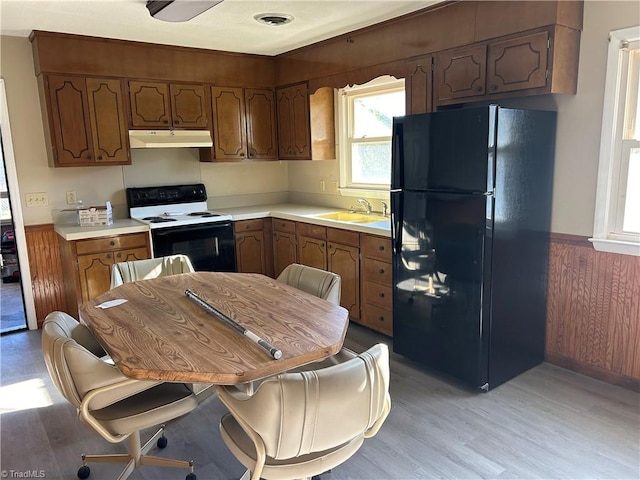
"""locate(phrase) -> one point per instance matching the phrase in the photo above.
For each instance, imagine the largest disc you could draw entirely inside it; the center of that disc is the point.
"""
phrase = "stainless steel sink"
(352, 217)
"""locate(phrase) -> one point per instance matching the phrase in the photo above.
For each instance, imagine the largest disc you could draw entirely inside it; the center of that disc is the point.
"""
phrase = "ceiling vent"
(274, 19)
(179, 10)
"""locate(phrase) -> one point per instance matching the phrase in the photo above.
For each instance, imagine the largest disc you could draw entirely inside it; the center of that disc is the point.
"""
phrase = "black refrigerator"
(471, 206)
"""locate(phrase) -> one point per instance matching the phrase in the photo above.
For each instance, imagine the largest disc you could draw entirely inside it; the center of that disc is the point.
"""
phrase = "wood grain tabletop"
(161, 334)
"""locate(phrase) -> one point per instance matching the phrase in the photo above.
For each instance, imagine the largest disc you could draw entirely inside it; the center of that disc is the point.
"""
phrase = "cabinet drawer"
(377, 271)
(378, 295)
(248, 226)
(376, 247)
(345, 237)
(284, 225)
(379, 319)
(313, 231)
(107, 244)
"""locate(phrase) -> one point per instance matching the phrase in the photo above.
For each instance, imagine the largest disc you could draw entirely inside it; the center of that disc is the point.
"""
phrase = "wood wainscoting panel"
(593, 311)
(46, 270)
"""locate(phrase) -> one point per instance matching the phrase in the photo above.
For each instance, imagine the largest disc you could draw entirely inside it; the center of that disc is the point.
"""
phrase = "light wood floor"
(548, 423)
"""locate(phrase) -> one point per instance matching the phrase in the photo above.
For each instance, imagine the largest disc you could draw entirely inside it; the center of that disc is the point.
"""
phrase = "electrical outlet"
(37, 199)
(322, 186)
(335, 186)
(71, 198)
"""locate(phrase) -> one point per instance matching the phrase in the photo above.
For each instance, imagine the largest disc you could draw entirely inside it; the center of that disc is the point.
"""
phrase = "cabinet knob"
(381, 295)
(119, 255)
(479, 88)
(176, 122)
(165, 121)
(112, 243)
(381, 271)
(242, 155)
(493, 87)
(108, 255)
(99, 157)
(381, 248)
(89, 156)
(381, 318)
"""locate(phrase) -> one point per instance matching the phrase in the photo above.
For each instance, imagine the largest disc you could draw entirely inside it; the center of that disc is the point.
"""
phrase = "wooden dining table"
(159, 333)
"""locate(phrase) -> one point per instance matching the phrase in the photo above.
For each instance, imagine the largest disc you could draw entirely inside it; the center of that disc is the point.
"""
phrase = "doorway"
(17, 310)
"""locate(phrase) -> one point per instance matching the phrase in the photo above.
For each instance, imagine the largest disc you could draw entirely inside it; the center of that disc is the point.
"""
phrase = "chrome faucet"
(385, 208)
(365, 203)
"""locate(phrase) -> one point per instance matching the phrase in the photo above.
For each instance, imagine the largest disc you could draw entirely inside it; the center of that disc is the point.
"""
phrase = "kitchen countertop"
(305, 213)
(286, 211)
(119, 227)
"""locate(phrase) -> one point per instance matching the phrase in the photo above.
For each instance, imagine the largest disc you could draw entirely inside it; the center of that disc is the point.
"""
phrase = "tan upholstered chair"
(113, 405)
(125, 272)
(320, 283)
(297, 425)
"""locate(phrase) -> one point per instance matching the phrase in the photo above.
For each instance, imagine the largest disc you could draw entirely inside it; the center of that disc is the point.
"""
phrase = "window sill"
(616, 246)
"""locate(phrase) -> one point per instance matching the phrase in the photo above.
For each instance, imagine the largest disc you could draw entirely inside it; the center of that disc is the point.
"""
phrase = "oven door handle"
(159, 232)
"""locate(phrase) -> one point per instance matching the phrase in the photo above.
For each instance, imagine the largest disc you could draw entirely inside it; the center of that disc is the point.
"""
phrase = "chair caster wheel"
(84, 472)
(191, 476)
(162, 442)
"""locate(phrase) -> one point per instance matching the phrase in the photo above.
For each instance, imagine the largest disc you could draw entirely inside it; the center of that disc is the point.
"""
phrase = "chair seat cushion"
(146, 409)
(299, 467)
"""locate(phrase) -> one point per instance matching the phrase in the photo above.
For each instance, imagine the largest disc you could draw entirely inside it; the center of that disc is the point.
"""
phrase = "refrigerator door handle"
(397, 160)
(396, 221)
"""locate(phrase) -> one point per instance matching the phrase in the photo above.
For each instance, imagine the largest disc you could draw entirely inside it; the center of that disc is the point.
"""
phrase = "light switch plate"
(40, 199)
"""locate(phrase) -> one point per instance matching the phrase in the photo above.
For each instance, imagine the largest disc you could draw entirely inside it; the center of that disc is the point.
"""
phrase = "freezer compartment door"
(444, 151)
(441, 277)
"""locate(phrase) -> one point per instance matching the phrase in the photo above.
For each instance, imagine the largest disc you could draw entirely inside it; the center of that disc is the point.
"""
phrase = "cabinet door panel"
(419, 86)
(250, 253)
(284, 251)
(261, 124)
(70, 117)
(312, 252)
(461, 72)
(518, 64)
(345, 261)
(108, 121)
(229, 130)
(95, 274)
(188, 106)
(150, 104)
(294, 124)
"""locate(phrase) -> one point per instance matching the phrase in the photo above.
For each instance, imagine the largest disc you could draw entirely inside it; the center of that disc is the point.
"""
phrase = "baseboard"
(623, 381)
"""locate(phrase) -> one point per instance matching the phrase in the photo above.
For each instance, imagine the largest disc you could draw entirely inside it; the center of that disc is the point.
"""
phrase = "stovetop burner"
(203, 214)
(159, 219)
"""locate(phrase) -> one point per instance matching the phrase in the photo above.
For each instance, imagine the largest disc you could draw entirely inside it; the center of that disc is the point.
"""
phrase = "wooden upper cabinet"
(294, 129)
(461, 72)
(108, 120)
(243, 124)
(163, 105)
(419, 85)
(518, 65)
(87, 124)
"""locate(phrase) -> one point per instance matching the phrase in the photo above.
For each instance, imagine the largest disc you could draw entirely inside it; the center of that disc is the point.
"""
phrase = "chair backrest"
(125, 272)
(320, 283)
(300, 413)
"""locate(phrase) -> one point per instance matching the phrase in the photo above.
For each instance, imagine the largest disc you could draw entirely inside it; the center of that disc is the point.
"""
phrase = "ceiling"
(229, 26)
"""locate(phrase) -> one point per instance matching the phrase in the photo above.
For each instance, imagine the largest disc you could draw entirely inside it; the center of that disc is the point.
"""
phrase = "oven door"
(210, 247)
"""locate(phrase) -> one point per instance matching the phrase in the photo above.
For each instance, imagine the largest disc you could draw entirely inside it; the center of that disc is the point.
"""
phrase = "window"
(366, 117)
(617, 216)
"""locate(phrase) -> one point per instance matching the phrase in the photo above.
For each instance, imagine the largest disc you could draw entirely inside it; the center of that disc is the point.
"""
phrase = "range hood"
(170, 138)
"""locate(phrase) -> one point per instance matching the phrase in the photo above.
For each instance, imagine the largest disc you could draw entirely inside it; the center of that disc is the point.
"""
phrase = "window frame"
(612, 176)
(379, 85)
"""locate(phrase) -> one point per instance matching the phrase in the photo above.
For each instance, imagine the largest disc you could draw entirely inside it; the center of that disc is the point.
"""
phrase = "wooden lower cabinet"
(87, 264)
(284, 245)
(343, 258)
(377, 298)
(312, 245)
(253, 246)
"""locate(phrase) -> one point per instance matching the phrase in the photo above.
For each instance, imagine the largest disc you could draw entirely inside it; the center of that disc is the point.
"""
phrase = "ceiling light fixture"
(179, 10)
(273, 19)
